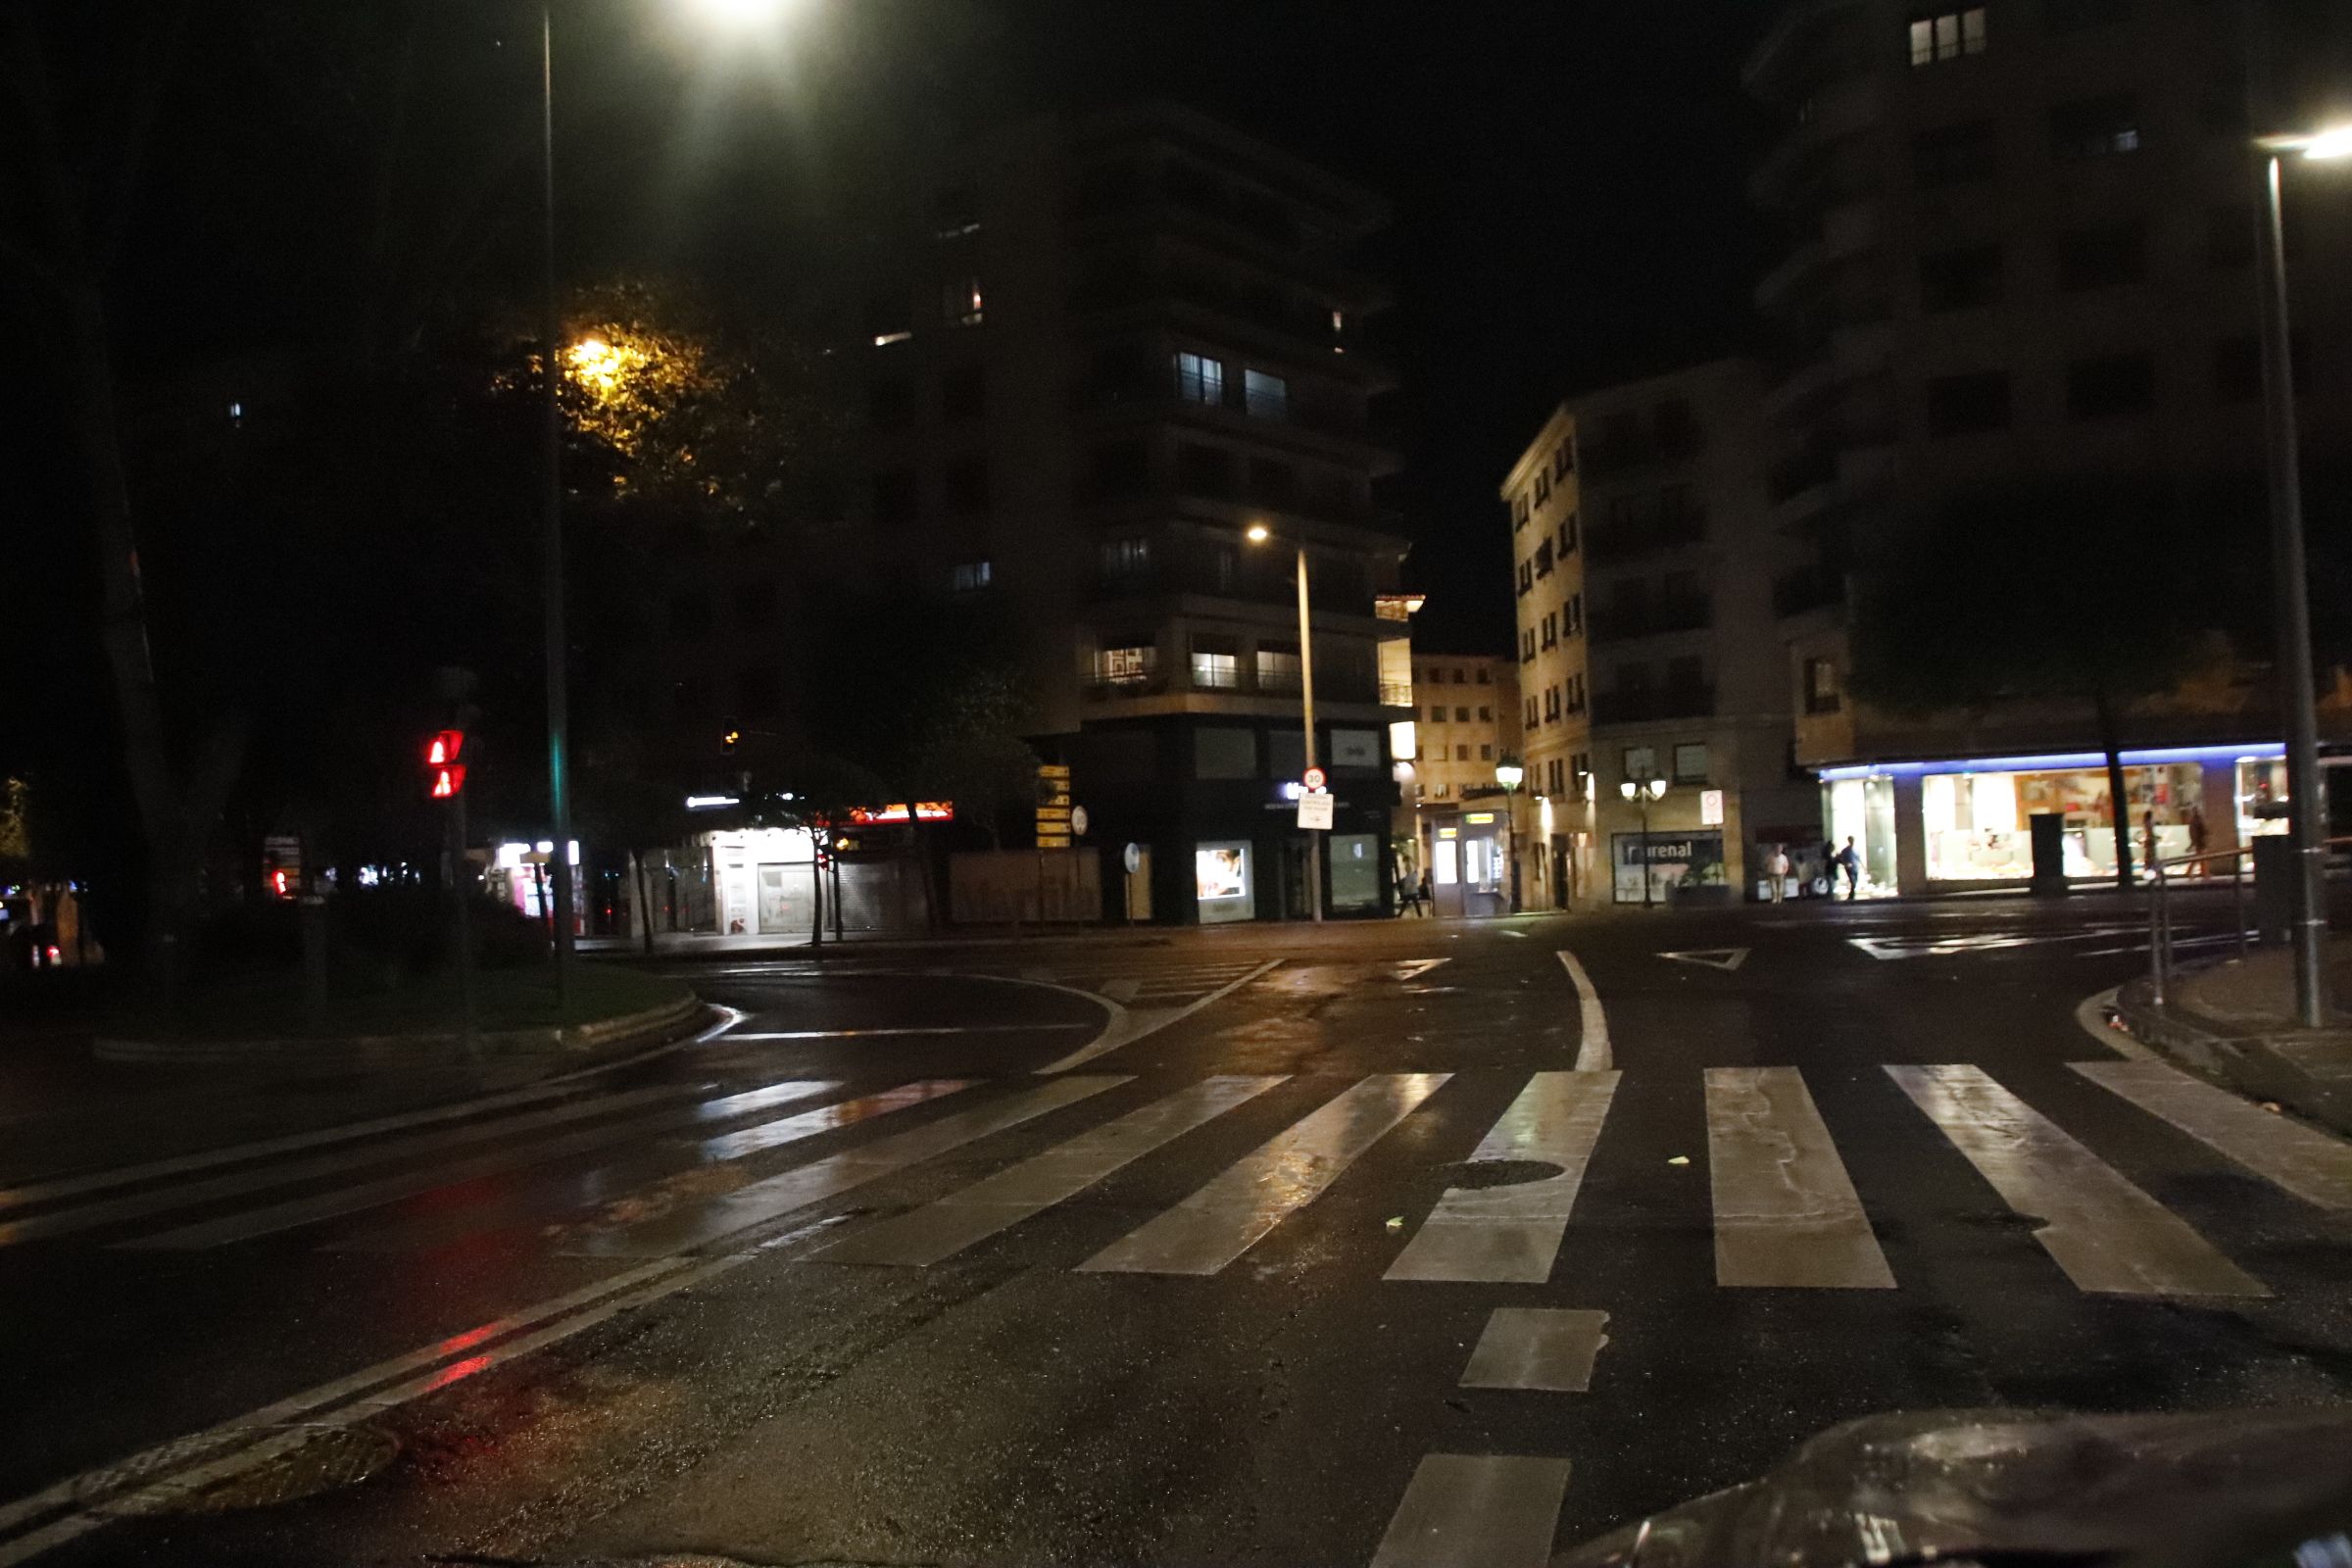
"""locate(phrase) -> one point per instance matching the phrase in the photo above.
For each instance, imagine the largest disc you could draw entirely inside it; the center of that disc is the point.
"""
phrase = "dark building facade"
(2019, 243)
(1116, 384)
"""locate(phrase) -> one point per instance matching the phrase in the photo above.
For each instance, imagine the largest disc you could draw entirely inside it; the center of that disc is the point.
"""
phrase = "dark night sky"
(1567, 179)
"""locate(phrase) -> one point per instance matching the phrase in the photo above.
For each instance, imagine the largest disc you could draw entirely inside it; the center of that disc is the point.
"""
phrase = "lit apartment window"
(1266, 397)
(1215, 664)
(1199, 378)
(961, 302)
(1948, 35)
(1125, 663)
(1821, 686)
(971, 577)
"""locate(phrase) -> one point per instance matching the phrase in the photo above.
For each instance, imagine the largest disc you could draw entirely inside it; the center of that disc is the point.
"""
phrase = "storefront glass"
(1978, 824)
(1355, 870)
(1221, 881)
(1673, 862)
(2261, 795)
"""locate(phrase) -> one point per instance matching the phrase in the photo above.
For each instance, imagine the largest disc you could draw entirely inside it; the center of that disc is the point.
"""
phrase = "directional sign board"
(1314, 810)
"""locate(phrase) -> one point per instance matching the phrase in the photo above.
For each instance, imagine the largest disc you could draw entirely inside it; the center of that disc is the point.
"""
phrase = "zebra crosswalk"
(674, 1169)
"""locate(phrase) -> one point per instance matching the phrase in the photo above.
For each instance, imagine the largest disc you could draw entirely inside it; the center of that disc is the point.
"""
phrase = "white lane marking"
(1724, 958)
(135, 1205)
(1512, 1234)
(1122, 989)
(2307, 1162)
(2090, 1016)
(92, 1487)
(295, 1212)
(692, 1225)
(924, 1235)
(909, 1029)
(2105, 1233)
(1547, 1350)
(2142, 947)
(1497, 1510)
(1786, 1212)
(1592, 1053)
(1238, 1206)
(563, 1194)
(1126, 1027)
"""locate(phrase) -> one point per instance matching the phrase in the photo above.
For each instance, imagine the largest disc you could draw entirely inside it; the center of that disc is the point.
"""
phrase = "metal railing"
(2161, 940)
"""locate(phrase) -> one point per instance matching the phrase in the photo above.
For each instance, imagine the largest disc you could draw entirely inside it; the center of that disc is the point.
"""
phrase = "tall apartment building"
(1646, 617)
(1456, 812)
(2020, 243)
(1121, 385)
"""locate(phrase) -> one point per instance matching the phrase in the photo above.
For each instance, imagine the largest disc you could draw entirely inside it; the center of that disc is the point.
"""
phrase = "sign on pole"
(1314, 810)
(1710, 808)
(1313, 779)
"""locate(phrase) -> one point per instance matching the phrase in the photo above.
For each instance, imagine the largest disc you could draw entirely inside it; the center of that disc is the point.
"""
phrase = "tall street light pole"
(1644, 791)
(1508, 772)
(1258, 534)
(2296, 694)
(551, 540)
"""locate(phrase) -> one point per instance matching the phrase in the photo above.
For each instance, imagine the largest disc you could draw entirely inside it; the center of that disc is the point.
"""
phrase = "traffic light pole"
(467, 1014)
(558, 704)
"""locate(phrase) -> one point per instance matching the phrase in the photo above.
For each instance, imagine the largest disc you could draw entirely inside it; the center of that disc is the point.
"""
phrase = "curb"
(2257, 1066)
(586, 1041)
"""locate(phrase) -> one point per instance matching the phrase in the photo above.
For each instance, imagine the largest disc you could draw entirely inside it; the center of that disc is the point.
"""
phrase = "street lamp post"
(1258, 534)
(551, 524)
(1508, 774)
(1644, 791)
(2292, 586)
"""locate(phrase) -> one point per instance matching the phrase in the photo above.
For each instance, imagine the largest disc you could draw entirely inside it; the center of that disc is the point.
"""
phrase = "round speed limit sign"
(1313, 778)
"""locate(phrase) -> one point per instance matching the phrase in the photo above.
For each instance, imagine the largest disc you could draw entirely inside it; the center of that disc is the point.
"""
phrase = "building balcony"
(1656, 703)
(1809, 588)
(1650, 618)
(1607, 542)
(1847, 228)
(1250, 320)
(1325, 430)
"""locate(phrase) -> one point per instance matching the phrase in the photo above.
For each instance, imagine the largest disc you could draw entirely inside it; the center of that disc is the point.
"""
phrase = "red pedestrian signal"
(441, 765)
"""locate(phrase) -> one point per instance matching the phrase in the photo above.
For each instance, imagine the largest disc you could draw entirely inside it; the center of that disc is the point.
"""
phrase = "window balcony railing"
(1145, 678)
(1615, 623)
(1664, 702)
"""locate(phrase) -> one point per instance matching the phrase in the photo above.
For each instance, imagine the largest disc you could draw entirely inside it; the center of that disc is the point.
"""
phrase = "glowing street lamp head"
(1260, 533)
(1508, 774)
(1657, 789)
(1628, 789)
(2335, 141)
(740, 15)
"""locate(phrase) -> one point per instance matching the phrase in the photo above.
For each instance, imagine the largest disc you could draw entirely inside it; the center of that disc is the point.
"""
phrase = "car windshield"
(1173, 782)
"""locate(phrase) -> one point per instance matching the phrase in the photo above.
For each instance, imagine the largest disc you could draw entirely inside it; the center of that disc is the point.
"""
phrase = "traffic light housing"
(727, 740)
(444, 772)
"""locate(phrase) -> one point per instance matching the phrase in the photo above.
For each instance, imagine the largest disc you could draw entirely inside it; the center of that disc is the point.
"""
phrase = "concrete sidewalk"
(2235, 1020)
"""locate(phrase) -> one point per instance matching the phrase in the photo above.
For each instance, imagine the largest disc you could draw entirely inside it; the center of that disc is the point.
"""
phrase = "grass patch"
(270, 1006)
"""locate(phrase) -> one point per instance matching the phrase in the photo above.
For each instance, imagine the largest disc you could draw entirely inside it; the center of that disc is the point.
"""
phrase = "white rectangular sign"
(1710, 808)
(1314, 810)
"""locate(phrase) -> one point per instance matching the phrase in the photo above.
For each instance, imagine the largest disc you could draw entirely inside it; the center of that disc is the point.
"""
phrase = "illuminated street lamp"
(1644, 791)
(1258, 534)
(2288, 567)
(736, 14)
(1508, 774)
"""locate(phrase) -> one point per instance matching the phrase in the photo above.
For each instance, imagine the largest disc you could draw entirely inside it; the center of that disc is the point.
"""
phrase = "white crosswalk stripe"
(1513, 1233)
(1496, 1510)
(677, 1174)
(2105, 1233)
(1786, 1213)
(1235, 1210)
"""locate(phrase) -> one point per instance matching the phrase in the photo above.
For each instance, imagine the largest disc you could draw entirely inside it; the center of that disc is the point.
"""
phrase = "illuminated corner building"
(1124, 346)
(2017, 239)
(1649, 648)
(1467, 721)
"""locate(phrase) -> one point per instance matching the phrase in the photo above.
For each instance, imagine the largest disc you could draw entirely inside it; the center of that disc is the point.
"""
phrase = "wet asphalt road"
(600, 1322)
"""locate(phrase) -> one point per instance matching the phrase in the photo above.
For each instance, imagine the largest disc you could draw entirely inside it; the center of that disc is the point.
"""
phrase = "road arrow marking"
(1724, 959)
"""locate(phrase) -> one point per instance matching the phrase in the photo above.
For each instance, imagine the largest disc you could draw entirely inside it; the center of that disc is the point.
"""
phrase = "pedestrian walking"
(2196, 840)
(1775, 866)
(2147, 844)
(1851, 865)
(1427, 901)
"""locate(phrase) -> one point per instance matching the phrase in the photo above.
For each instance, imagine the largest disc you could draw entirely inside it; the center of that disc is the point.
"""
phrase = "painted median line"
(1593, 1050)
